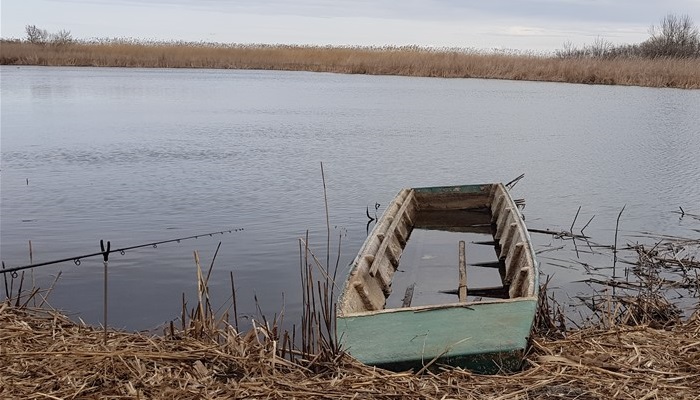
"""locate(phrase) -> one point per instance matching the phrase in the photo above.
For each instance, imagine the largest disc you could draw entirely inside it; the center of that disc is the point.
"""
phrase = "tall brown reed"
(406, 61)
(45, 355)
(318, 345)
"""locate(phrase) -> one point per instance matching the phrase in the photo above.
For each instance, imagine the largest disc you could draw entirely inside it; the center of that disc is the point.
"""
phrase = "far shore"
(404, 61)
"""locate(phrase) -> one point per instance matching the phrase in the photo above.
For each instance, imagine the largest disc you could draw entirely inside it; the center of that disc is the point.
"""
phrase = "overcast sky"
(510, 24)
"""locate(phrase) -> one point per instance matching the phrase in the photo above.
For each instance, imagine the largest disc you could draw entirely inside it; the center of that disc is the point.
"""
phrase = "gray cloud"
(623, 11)
(527, 24)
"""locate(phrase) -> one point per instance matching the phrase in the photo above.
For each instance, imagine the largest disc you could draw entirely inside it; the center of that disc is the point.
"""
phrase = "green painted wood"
(483, 337)
(480, 188)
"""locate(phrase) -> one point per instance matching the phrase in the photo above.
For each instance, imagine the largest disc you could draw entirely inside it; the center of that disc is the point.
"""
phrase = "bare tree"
(568, 50)
(61, 37)
(675, 36)
(36, 35)
(600, 48)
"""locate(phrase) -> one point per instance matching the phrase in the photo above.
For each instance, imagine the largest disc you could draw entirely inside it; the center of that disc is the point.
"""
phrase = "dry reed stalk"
(406, 61)
(671, 265)
(637, 350)
(45, 355)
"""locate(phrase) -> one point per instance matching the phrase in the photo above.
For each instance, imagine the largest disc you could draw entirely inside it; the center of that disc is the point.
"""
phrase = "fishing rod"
(108, 250)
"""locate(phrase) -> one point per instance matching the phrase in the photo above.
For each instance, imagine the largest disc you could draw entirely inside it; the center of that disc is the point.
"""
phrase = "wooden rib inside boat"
(407, 306)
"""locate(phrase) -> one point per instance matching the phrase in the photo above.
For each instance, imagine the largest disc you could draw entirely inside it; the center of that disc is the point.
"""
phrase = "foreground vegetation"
(669, 58)
(637, 345)
(44, 355)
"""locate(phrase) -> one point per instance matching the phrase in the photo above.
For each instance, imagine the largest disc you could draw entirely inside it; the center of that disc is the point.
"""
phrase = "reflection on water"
(136, 155)
(431, 262)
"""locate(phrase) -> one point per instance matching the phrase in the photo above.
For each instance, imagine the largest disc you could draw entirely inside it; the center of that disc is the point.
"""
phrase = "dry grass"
(44, 355)
(638, 348)
(407, 61)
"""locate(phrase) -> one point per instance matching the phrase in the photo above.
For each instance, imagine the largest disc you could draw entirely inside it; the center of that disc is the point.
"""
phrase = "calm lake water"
(142, 155)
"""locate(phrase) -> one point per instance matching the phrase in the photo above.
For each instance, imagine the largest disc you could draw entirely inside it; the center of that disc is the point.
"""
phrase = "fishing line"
(122, 251)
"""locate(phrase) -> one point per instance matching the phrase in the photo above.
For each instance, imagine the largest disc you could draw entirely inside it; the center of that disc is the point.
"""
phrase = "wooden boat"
(482, 329)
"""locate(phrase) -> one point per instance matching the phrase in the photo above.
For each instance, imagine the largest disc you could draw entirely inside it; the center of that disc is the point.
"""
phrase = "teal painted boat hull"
(483, 337)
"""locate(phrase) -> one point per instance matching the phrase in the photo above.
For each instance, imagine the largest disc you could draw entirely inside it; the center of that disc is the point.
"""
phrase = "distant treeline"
(675, 37)
(669, 58)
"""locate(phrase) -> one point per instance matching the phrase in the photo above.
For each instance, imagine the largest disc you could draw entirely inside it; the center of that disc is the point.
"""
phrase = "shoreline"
(637, 342)
(44, 352)
(683, 73)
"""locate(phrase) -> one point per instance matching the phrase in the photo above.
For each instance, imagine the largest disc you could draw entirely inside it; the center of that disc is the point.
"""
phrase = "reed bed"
(635, 350)
(404, 61)
(45, 355)
(669, 268)
(638, 347)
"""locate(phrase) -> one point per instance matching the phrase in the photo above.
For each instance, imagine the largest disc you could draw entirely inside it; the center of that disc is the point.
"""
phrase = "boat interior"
(468, 244)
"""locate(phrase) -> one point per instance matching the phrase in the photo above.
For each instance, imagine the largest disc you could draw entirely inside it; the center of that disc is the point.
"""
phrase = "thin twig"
(48, 292)
(235, 308)
(574, 221)
(587, 223)
(511, 184)
(617, 229)
(328, 222)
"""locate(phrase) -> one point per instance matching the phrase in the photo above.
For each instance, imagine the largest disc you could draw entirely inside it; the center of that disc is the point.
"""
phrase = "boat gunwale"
(534, 268)
(487, 190)
(431, 307)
